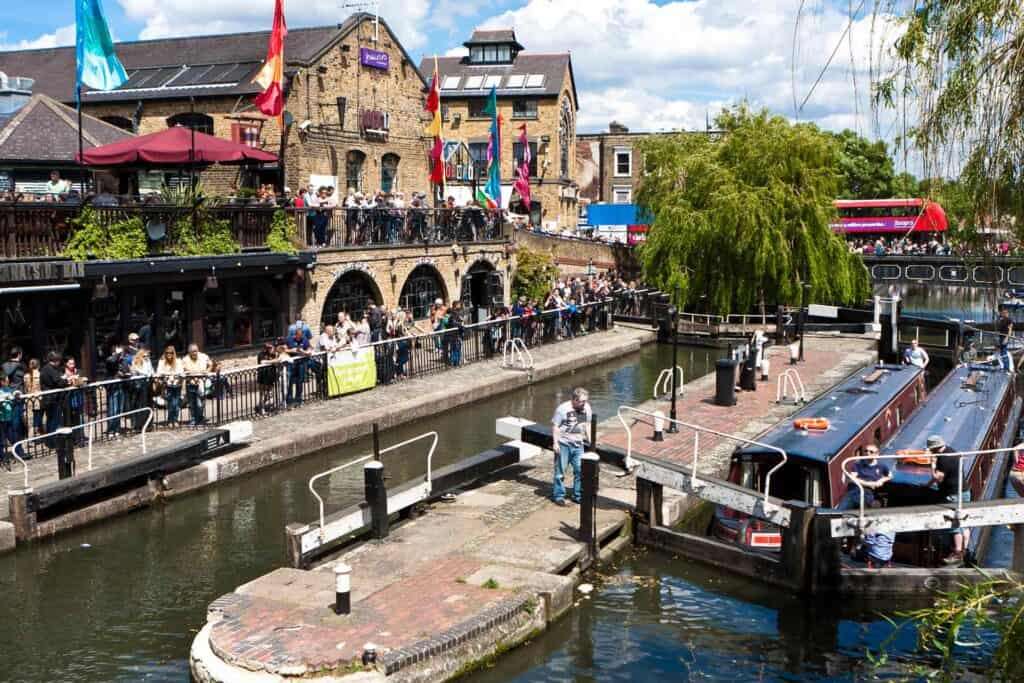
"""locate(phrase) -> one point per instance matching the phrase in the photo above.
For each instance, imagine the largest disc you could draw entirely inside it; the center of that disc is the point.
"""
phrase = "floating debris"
(585, 588)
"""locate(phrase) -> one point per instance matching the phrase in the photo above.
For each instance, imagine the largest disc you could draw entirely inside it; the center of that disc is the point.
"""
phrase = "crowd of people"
(905, 246)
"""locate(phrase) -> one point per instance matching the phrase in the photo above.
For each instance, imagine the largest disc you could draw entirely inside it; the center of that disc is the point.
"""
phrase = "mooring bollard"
(794, 353)
(376, 498)
(591, 466)
(659, 426)
(342, 588)
(65, 446)
(1017, 564)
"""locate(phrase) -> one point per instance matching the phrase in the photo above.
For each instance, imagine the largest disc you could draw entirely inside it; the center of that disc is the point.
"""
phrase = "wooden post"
(591, 466)
(825, 565)
(293, 544)
(1018, 549)
(23, 520)
(796, 545)
(376, 498)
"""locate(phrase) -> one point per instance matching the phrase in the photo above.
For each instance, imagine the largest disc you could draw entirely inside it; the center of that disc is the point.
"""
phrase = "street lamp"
(803, 316)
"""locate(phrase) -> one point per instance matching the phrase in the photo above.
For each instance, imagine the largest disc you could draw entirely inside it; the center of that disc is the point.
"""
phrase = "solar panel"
(535, 81)
(194, 74)
(492, 81)
(515, 81)
(474, 82)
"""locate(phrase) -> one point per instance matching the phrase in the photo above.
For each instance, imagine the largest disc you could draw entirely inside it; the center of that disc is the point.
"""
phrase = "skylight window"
(535, 81)
(515, 81)
(474, 82)
(451, 83)
(492, 82)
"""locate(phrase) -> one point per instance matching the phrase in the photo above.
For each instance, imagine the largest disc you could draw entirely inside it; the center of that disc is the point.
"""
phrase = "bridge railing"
(373, 226)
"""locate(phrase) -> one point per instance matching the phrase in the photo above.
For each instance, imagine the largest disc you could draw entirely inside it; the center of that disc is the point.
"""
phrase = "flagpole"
(81, 160)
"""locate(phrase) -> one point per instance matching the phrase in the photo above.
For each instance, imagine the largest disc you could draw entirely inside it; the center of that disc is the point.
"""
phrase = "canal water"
(122, 600)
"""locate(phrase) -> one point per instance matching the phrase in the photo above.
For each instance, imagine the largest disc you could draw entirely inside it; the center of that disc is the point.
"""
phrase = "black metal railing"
(269, 388)
(372, 226)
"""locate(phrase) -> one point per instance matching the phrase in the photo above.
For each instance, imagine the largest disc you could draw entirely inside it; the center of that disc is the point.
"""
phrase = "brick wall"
(597, 173)
(574, 256)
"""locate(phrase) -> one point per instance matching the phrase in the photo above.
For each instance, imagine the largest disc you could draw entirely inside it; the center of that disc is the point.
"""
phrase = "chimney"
(616, 128)
(14, 93)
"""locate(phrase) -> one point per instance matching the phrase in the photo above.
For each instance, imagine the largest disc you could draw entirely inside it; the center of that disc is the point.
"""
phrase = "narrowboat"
(975, 408)
(865, 408)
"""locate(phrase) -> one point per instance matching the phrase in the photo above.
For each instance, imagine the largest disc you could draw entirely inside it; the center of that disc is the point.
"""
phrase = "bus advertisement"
(887, 216)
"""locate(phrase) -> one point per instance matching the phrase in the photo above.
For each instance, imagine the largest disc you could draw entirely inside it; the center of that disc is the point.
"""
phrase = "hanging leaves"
(745, 216)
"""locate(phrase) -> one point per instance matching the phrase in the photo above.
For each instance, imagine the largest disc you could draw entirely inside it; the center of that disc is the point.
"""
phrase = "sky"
(651, 65)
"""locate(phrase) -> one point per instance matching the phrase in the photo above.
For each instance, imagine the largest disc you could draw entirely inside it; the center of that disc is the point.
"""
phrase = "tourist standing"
(170, 372)
(300, 351)
(14, 370)
(141, 373)
(569, 434)
(51, 378)
(8, 404)
(949, 476)
(916, 356)
(76, 398)
(196, 366)
(266, 378)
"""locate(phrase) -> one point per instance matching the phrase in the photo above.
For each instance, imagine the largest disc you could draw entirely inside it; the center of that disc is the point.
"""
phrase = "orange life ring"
(914, 456)
(814, 424)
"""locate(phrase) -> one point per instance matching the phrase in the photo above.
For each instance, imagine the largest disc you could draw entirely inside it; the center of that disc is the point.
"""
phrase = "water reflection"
(970, 304)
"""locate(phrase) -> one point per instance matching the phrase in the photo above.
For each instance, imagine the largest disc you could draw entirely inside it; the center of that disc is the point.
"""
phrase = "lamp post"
(803, 315)
(673, 313)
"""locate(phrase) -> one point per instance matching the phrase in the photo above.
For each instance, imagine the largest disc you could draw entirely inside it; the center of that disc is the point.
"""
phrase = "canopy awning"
(177, 146)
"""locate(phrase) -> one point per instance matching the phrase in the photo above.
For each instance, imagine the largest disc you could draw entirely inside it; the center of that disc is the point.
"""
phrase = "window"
(478, 153)
(200, 123)
(474, 82)
(504, 53)
(476, 109)
(421, 289)
(354, 161)
(119, 121)
(517, 158)
(492, 82)
(524, 109)
(476, 54)
(515, 81)
(246, 134)
(622, 194)
(535, 81)
(623, 162)
(451, 82)
(490, 53)
(389, 172)
(350, 293)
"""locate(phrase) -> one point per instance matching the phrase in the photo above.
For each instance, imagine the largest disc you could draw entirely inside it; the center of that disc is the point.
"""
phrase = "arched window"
(389, 172)
(200, 123)
(119, 121)
(351, 293)
(354, 161)
(421, 289)
(566, 134)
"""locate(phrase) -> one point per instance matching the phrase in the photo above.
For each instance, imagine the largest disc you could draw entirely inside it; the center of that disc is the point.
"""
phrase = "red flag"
(271, 76)
(437, 162)
(522, 183)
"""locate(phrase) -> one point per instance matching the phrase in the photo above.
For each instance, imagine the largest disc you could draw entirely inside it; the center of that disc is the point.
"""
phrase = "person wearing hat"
(948, 475)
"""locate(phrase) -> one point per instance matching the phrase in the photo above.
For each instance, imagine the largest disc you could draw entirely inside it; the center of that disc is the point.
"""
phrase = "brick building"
(353, 108)
(537, 90)
(609, 165)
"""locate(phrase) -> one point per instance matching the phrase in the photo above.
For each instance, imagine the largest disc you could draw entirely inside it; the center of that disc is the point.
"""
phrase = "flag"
(491, 193)
(271, 76)
(433, 105)
(97, 64)
(522, 183)
(437, 162)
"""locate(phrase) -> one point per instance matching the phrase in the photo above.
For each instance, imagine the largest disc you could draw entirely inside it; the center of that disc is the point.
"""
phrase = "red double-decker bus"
(889, 216)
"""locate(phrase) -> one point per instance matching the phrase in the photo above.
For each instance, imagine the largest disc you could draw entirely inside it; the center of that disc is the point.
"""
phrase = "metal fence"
(352, 227)
(267, 389)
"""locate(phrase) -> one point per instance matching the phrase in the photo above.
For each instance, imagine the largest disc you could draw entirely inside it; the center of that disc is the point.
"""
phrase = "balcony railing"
(42, 229)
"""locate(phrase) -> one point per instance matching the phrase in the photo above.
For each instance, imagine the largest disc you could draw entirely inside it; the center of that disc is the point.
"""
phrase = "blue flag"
(98, 66)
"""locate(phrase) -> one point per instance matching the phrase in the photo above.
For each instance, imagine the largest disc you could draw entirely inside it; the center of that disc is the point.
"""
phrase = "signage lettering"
(374, 59)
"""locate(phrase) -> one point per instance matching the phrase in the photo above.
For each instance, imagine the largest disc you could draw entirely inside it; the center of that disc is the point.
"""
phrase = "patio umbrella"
(177, 146)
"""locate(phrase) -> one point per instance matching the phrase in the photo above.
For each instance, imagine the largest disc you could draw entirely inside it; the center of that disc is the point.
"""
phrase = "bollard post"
(659, 426)
(591, 466)
(23, 520)
(65, 446)
(376, 442)
(1018, 549)
(342, 589)
(376, 498)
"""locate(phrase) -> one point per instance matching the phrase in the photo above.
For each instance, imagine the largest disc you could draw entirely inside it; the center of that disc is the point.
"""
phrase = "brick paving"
(411, 596)
(308, 428)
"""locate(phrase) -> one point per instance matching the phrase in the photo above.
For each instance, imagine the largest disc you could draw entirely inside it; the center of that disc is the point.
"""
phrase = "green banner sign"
(350, 371)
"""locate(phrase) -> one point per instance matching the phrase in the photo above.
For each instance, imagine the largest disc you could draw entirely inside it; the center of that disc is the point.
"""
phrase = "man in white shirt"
(568, 435)
(326, 342)
(57, 186)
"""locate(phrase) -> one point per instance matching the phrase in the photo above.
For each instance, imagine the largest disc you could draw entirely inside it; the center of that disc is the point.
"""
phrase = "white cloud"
(65, 35)
(199, 17)
(654, 66)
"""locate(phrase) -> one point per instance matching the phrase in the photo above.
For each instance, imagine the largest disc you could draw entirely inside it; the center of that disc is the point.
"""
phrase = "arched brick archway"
(424, 284)
(350, 293)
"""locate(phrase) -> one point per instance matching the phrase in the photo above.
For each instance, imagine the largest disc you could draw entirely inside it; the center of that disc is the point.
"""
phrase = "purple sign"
(876, 224)
(373, 58)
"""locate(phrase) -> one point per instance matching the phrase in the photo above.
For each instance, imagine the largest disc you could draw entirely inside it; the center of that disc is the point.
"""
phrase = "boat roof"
(849, 406)
(959, 411)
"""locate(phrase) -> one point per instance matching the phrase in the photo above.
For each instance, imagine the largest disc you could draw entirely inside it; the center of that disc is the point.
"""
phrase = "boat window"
(813, 488)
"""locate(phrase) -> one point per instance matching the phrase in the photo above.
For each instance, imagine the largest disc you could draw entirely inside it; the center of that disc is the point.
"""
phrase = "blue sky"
(652, 65)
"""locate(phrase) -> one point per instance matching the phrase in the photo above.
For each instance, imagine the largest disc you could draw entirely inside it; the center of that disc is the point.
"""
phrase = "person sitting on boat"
(869, 473)
(969, 356)
(915, 355)
(876, 548)
(947, 474)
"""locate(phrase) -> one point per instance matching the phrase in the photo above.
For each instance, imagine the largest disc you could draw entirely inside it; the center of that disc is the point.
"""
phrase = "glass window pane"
(451, 82)
(474, 82)
(515, 81)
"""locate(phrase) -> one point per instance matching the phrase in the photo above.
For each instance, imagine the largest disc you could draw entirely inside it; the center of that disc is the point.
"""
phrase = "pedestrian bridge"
(947, 270)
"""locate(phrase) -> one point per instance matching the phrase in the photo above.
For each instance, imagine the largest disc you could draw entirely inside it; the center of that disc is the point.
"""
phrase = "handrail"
(665, 378)
(31, 439)
(696, 446)
(890, 456)
(791, 378)
(430, 459)
(516, 348)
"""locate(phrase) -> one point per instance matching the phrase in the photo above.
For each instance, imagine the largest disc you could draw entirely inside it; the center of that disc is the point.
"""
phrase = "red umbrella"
(177, 146)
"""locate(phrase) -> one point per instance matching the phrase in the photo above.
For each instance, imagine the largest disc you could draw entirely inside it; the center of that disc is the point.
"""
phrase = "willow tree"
(743, 218)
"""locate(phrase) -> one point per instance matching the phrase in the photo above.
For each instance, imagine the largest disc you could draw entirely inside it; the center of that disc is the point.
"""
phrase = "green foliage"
(865, 167)
(124, 239)
(213, 237)
(283, 235)
(535, 272)
(746, 218)
(985, 618)
(491, 584)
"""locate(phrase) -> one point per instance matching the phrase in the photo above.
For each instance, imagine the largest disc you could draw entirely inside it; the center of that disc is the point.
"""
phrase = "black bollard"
(376, 498)
(342, 589)
(65, 445)
(591, 466)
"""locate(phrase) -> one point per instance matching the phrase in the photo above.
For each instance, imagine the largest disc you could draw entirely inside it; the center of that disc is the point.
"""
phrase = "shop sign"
(374, 59)
(426, 261)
